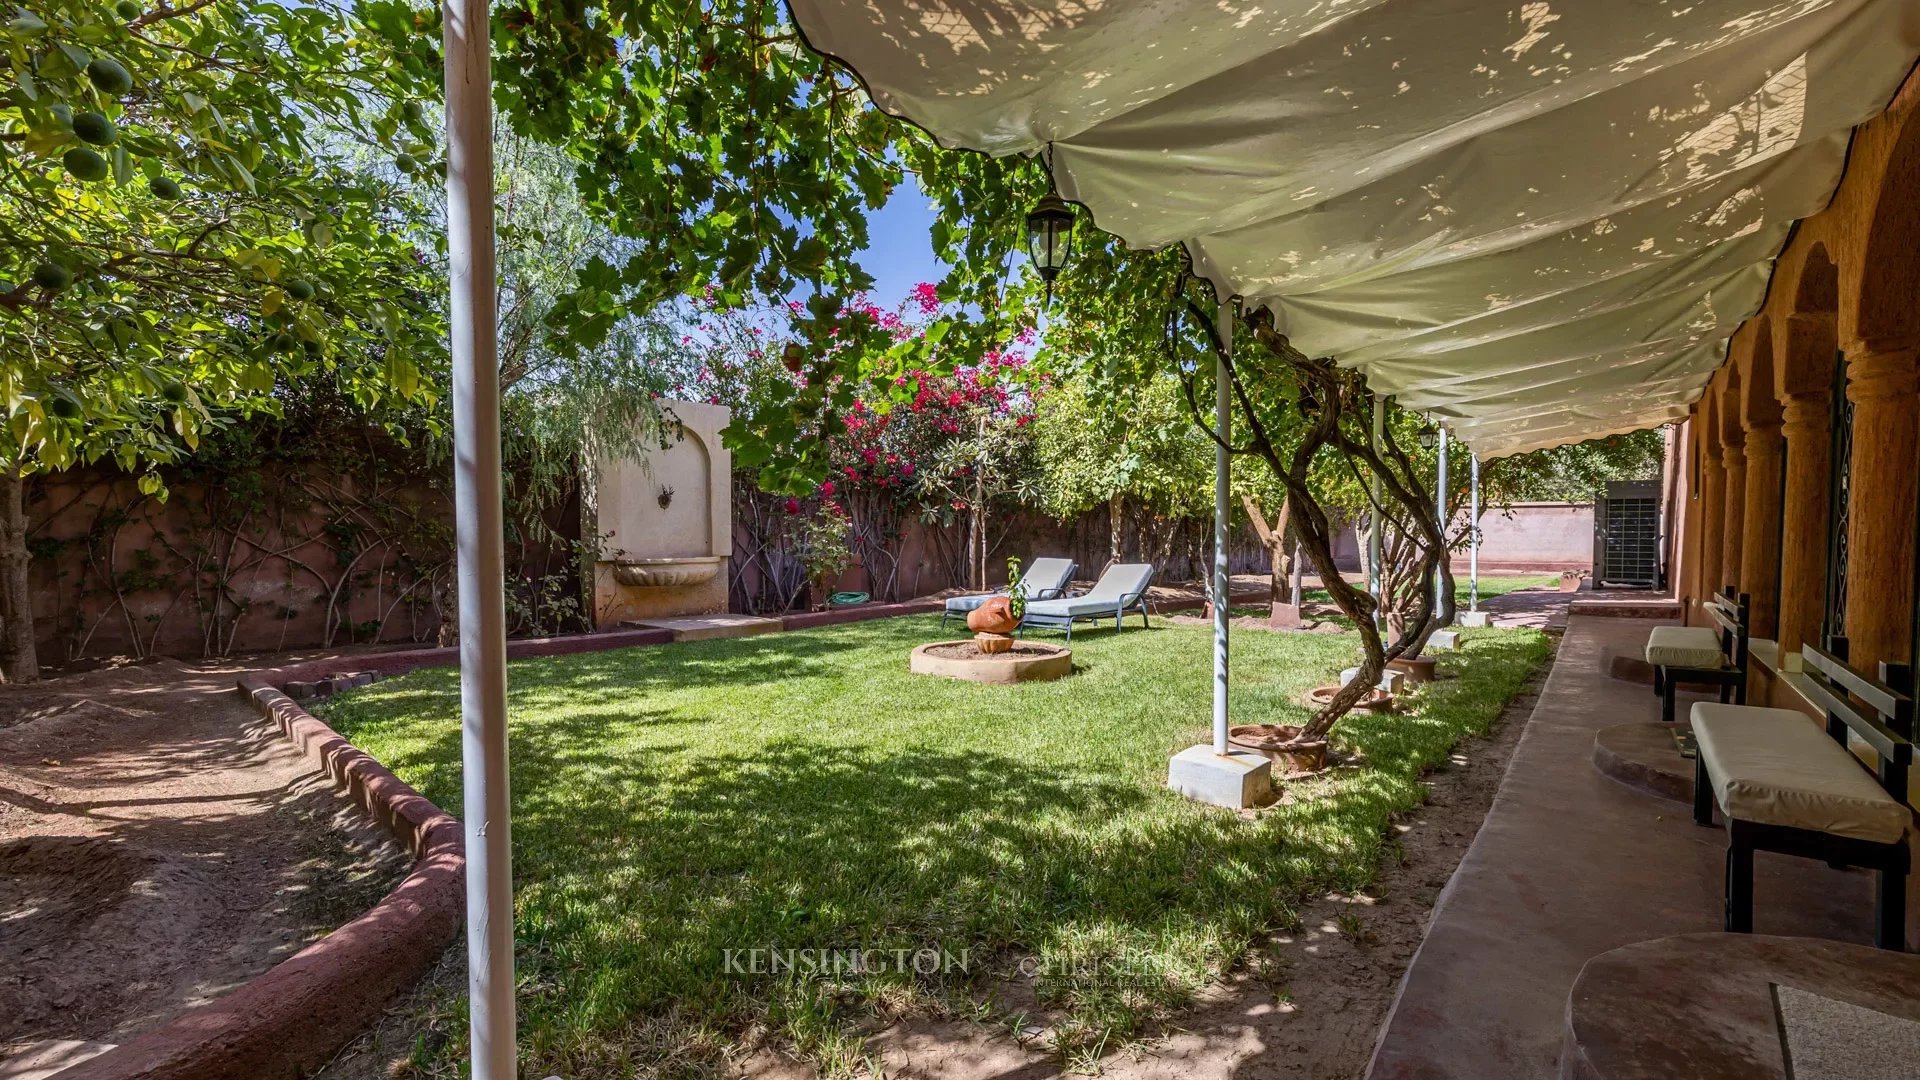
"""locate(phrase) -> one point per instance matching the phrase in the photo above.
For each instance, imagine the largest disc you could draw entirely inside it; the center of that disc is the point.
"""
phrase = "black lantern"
(1050, 237)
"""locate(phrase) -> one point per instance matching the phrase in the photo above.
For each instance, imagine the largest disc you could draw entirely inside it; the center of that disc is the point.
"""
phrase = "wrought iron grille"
(1842, 432)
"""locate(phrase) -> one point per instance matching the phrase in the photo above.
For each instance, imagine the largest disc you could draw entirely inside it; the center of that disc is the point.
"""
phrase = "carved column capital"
(1805, 413)
(1881, 375)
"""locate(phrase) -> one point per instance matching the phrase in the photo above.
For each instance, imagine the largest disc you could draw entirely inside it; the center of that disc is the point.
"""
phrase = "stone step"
(707, 627)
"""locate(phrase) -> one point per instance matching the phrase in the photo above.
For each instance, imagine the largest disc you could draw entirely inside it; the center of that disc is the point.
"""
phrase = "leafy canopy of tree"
(221, 248)
(182, 239)
(731, 157)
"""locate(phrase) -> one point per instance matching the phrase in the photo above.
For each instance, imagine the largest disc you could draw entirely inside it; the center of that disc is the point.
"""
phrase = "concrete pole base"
(1476, 618)
(1238, 780)
(1444, 641)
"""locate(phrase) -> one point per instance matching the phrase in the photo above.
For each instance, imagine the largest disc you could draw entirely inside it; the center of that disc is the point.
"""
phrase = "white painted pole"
(480, 544)
(1376, 579)
(1440, 515)
(1473, 523)
(1222, 476)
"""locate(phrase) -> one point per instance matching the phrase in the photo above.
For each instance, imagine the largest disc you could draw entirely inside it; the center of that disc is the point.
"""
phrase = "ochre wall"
(1846, 290)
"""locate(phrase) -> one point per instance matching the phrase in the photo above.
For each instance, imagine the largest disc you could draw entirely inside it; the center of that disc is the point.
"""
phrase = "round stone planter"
(1025, 661)
(1417, 669)
(1280, 744)
(1374, 699)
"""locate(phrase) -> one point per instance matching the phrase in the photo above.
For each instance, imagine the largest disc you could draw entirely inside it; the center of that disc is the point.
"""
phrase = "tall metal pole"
(480, 543)
(1473, 524)
(1440, 515)
(1222, 475)
(1376, 578)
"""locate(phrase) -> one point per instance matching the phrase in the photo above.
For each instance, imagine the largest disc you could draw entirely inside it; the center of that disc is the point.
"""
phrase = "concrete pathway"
(1568, 865)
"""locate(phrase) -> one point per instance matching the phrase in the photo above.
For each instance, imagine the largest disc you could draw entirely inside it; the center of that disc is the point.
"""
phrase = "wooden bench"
(1782, 784)
(1703, 654)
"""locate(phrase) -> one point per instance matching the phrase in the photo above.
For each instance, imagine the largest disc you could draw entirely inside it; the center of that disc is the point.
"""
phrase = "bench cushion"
(1685, 646)
(1778, 767)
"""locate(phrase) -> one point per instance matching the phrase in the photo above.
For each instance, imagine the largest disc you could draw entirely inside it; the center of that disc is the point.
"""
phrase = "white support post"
(1440, 515)
(1473, 524)
(1219, 774)
(1222, 492)
(1473, 616)
(1376, 578)
(479, 543)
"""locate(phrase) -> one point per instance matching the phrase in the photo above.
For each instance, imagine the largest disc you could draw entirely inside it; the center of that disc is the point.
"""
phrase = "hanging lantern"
(1050, 237)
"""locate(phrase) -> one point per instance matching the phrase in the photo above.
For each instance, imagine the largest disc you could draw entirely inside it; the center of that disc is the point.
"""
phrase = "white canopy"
(1537, 221)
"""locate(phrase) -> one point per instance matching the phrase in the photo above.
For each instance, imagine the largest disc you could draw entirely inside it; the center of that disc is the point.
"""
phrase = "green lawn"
(803, 790)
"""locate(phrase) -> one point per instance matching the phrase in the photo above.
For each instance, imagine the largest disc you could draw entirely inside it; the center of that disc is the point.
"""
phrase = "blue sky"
(899, 251)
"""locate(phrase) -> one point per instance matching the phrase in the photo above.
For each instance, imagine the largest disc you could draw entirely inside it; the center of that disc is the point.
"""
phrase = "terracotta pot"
(1417, 669)
(993, 644)
(1374, 699)
(1282, 745)
(993, 617)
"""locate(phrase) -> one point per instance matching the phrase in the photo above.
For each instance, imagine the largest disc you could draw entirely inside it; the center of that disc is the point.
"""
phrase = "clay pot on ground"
(993, 617)
(1282, 745)
(1570, 581)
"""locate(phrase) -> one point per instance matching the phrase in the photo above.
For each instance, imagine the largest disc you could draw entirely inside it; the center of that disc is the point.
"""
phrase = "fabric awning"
(1536, 221)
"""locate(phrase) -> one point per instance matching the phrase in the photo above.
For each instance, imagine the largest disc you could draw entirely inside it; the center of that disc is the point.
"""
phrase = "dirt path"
(159, 844)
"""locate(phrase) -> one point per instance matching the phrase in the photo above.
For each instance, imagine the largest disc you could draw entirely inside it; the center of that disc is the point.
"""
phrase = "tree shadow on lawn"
(633, 895)
(640, 864)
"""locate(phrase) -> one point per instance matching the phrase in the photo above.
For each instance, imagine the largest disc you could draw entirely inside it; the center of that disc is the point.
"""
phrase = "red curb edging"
(400, 661)
(294, 1017)
(807, 620)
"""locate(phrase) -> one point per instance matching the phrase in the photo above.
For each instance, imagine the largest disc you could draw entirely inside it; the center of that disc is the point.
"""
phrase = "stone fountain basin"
(1027, 661)
(657, 573)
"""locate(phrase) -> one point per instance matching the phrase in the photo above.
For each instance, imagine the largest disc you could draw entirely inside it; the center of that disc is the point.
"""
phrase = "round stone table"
(1702, 1006)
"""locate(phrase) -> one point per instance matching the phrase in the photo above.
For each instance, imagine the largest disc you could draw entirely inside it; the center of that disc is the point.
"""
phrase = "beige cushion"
(1685, 646)
(1777, 767)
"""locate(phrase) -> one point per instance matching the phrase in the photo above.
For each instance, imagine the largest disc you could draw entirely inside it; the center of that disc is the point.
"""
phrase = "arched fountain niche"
(665, 523)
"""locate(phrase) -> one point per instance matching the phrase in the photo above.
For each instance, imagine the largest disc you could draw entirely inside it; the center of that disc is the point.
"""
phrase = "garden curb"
(294, 1017)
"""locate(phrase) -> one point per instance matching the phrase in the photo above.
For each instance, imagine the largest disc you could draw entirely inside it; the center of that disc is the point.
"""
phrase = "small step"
(706, 627)
(1625, 608)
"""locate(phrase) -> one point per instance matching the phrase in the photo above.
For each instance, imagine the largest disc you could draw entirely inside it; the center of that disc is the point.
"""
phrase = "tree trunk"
(1116, 515)
(1283, 594)
(18, 658)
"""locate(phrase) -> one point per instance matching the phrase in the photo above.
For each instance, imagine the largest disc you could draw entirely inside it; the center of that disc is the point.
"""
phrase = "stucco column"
(1881, 491)
(1713, 509)
(1733, 461)
(1760, 549)
(1803, 531)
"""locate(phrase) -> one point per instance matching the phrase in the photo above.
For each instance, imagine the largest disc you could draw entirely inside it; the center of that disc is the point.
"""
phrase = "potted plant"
(994, 622)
